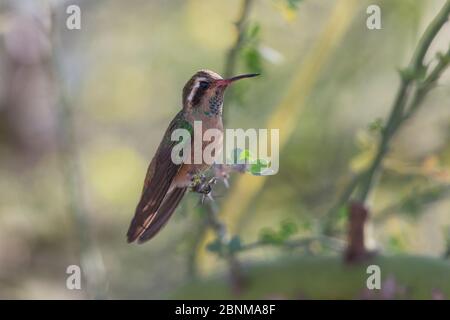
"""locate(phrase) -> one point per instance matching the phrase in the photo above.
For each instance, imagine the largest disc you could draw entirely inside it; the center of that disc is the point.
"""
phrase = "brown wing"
(165, 211)
(159, 177)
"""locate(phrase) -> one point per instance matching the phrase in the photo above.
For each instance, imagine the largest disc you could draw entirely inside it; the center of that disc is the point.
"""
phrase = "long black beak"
(242, 76)
(226, 82)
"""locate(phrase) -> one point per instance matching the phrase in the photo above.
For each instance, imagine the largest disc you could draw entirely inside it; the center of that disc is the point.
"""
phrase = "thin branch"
(333, 243)
(430, 33)
(429, 83)
(409, 77)
(396, 118)
(196, 243)
(286, 113)
(420, 198)
(211, 207)
(241, 26)
(235, 270)
(213, 220)
(342, 201)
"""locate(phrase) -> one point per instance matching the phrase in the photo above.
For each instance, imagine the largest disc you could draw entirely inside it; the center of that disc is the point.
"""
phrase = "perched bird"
(166, 182)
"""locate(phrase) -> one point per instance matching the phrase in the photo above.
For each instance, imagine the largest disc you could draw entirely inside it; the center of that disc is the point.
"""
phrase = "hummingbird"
(166, 182)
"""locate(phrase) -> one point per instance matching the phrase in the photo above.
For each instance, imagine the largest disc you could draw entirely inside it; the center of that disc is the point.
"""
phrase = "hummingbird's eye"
(204, 84)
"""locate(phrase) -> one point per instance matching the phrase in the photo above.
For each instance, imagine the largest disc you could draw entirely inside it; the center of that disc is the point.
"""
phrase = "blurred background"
(82, 112)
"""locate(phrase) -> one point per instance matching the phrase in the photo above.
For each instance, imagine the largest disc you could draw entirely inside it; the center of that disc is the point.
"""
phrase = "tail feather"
(165, 211)
(160, 174)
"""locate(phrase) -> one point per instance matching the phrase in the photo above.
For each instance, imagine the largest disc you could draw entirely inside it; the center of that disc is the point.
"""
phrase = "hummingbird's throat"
(215, 105)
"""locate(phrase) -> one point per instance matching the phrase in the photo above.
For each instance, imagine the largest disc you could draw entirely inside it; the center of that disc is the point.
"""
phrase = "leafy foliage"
(279, 236)
(250, 53)
(217, 246)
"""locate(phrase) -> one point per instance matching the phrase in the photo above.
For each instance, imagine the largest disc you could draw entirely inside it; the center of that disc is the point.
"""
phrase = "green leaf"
(235, 244)
(215, 246)
(257, 168)
(253, 32)
(288, 228)
(278, 237)
(376, 125)
(269, 236)
(253, 59)
(245, 155)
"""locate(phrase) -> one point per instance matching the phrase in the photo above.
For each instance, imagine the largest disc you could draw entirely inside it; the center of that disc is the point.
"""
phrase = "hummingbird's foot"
(203, 189)
(202, 186)
(204, 196)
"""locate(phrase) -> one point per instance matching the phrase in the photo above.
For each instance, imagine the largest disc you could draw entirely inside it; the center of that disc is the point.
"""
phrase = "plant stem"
(428, 84)
(213, 220)
(297, 243)
(343, 199)
(241, 26)
(220, 229)
(422, 198)
(430, 33)
(211, 207)
(396, 117)
(286, 113)
(391, 127)
(410, 77)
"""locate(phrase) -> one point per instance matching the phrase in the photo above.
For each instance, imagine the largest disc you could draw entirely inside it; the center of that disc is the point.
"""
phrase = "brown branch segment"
(356, 250)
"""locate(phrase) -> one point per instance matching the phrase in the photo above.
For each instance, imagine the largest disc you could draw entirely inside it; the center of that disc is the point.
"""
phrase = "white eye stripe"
(195, 87)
